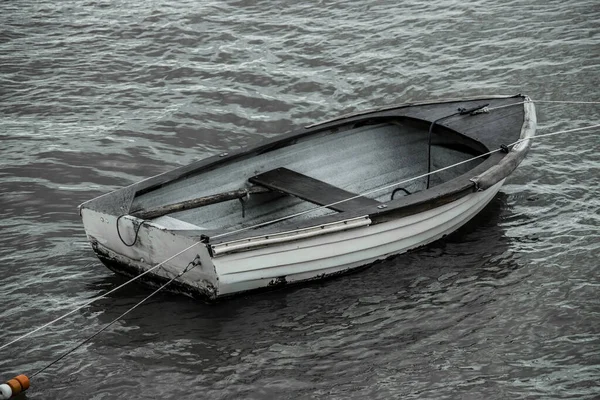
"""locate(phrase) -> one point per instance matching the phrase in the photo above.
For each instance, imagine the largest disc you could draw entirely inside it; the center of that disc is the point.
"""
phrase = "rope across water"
(85, 304)
(190, 266)
(399, 183)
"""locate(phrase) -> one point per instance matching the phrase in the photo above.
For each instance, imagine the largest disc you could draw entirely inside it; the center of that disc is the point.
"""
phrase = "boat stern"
(161, 250)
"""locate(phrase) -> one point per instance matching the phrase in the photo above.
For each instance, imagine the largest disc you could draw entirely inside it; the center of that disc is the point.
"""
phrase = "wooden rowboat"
(314, 203)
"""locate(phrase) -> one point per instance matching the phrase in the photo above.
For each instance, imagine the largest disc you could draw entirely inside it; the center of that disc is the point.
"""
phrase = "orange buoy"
(14, 387)
(24, 380)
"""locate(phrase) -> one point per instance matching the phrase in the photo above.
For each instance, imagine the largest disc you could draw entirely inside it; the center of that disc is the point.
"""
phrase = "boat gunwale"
(285, 139)
(406, 105)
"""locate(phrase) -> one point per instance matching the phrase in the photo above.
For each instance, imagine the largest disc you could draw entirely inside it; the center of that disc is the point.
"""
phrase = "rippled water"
(96, 95)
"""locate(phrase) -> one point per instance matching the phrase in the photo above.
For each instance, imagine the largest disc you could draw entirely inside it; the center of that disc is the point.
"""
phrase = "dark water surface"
(95, 95)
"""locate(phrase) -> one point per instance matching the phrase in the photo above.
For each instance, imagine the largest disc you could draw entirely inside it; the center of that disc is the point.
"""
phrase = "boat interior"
(358, 161)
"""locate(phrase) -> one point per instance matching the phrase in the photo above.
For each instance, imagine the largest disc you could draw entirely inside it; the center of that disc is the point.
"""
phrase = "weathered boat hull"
(154, 245)
(343, 251)
(323, 199)
(292, 262)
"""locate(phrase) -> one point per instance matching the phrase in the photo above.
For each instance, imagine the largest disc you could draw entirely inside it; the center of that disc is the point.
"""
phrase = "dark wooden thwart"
(290, 182)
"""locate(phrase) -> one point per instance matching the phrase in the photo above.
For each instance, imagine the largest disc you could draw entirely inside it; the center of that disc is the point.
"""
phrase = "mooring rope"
(22, 381)
(558, 102)
(190, 266)
(399, 183)
(136, 231)
(566, 101)
(487, 109)
(85, 304)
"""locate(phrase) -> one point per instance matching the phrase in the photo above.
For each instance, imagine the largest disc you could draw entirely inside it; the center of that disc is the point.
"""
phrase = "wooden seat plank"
(310, 189)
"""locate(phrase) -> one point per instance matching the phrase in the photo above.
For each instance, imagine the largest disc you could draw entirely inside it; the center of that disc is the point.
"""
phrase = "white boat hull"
(323, 198)
(273, 264)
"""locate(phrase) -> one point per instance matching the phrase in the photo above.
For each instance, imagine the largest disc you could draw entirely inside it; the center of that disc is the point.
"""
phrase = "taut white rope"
(542, 101)
(398, 183)
(105, 327)
(566, 102)
(283, 219)
(87, 303)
